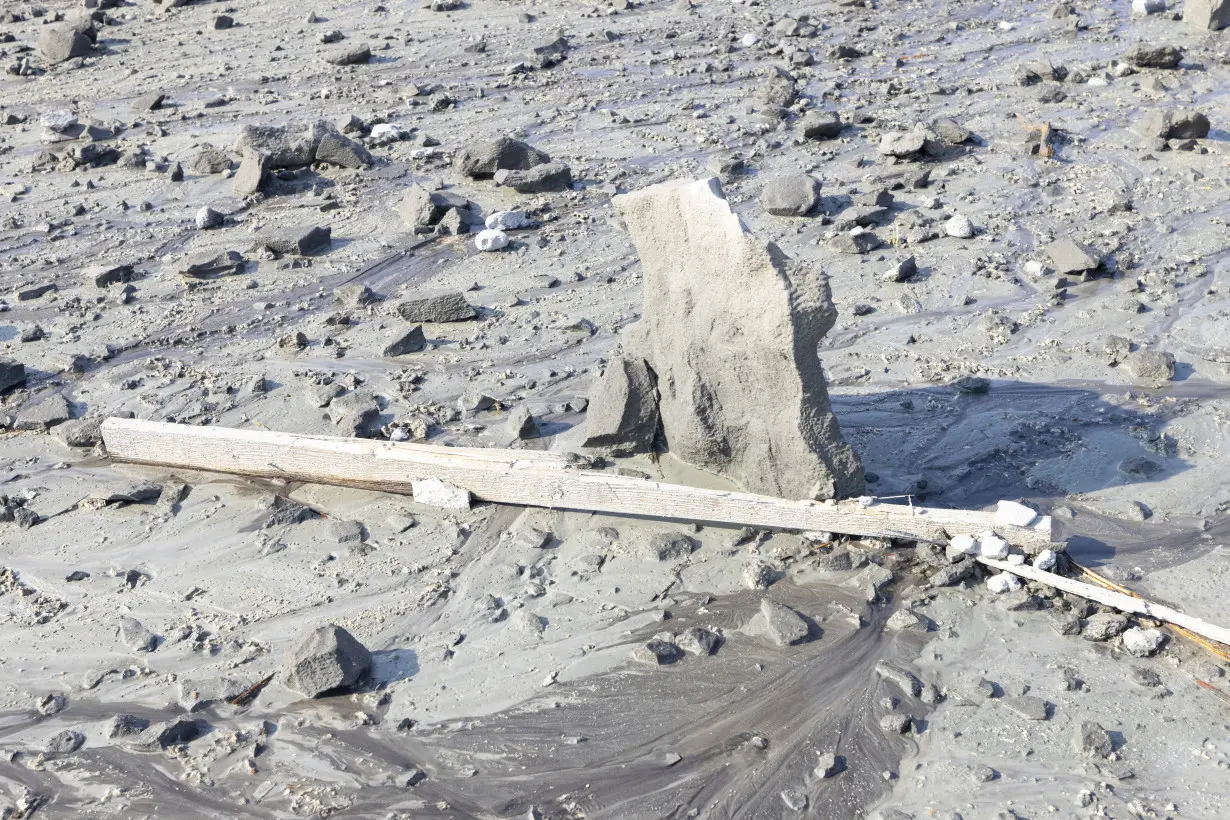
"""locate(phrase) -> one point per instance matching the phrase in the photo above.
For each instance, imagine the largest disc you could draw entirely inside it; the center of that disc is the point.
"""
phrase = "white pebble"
(1003, 582)
(960, 227)
(749, 40)
(966, 544)
(1046, 560)
(992, 546)
(507, 220)
(1142, 643)
(491, 240)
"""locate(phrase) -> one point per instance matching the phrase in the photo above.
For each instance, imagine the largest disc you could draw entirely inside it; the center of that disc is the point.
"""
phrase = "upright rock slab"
(729, 338)
(1213, 15)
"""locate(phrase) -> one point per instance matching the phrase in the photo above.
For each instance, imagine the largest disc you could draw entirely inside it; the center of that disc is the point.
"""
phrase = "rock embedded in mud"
(446, 307)
(828, 765)
(665, 546)
(759, 574)
(902, 271)
(125, 725)
(545, 178)
(783, 626)
(794, 195)
(905, 679)
(136, 637)
(1144, 55)
(1070, 257)
(482, 160)
(1028, 707)
(1103, 626)
(622, 417)
(700, 261)
(821, 125)
(328, 658)
(436, 493)
(699, 641)
(661, 649)
(902, 144)
(1141, 643)
(1150, 366)
(1091, 740)
(895, 723)
(354, 55)
(521, 423)
(64, 742)
(166, 733)
(412, 341)
(43, 416)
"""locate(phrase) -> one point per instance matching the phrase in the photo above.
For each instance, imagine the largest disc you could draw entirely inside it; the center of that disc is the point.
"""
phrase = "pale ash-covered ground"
(503, 719)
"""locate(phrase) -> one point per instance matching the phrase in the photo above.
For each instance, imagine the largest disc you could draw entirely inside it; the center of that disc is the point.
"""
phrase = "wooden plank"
(1118, 600)
(527, 478)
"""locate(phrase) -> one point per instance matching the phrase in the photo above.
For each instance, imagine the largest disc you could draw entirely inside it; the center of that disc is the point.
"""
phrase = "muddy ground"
(504, 681)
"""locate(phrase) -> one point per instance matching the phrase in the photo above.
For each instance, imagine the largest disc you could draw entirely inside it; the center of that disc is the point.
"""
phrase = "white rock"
(1143, 7)
(385, 133)
(1142, 643)
(507, 220)
(1004, 25)
(749, 40)
(1046, 560)
(437, 493)
(491, 240)
(1034, 268)
(1003, 582)
(1016, 559)
(959, 226)
(1018, 515)
(992, 546)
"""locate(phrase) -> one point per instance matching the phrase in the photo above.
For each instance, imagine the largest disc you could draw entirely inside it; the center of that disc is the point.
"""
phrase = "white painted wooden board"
(526, 478)
(1121, 602)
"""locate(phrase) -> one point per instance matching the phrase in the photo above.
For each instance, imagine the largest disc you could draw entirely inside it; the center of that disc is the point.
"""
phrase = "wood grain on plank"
(526, 478)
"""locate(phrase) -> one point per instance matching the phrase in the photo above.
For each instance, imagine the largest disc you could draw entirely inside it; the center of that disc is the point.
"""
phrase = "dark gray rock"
(298, 241)
(124, 725)
(794, 195)
(660, 650)
(211, 160)
(354, 55)
(854, 243)
(337, 149)
(208, 265)
(106, 275)
(1091, 740)
(327, 659)
(485, 158)
(904, 678)
(11, 374)
(699, 641)
(541, 179)
(821, 125)
(412, 341)
(446, 307)
(1144, 55)
(903, 271)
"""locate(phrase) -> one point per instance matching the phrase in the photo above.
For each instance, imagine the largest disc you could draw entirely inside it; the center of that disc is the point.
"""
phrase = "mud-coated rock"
(328, 658)
(11, 375)
(1091, 740)
(623, 408)
(754, 319)
(793, 195)
(783, 626)
(446, 307)
(541, 179)
(1144, 55)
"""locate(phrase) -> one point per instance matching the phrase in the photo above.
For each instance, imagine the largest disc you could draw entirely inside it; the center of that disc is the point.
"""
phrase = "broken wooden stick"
(1118, 600)
(531, 479)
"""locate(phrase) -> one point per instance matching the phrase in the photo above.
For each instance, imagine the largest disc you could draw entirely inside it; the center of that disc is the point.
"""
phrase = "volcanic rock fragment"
(485, 158)
(447, 307)
(328, 658)
(793, 195)
(727, 321)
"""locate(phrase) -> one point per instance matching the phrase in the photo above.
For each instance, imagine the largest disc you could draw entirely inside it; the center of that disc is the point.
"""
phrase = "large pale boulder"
(1207, 14)
(728, 341)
